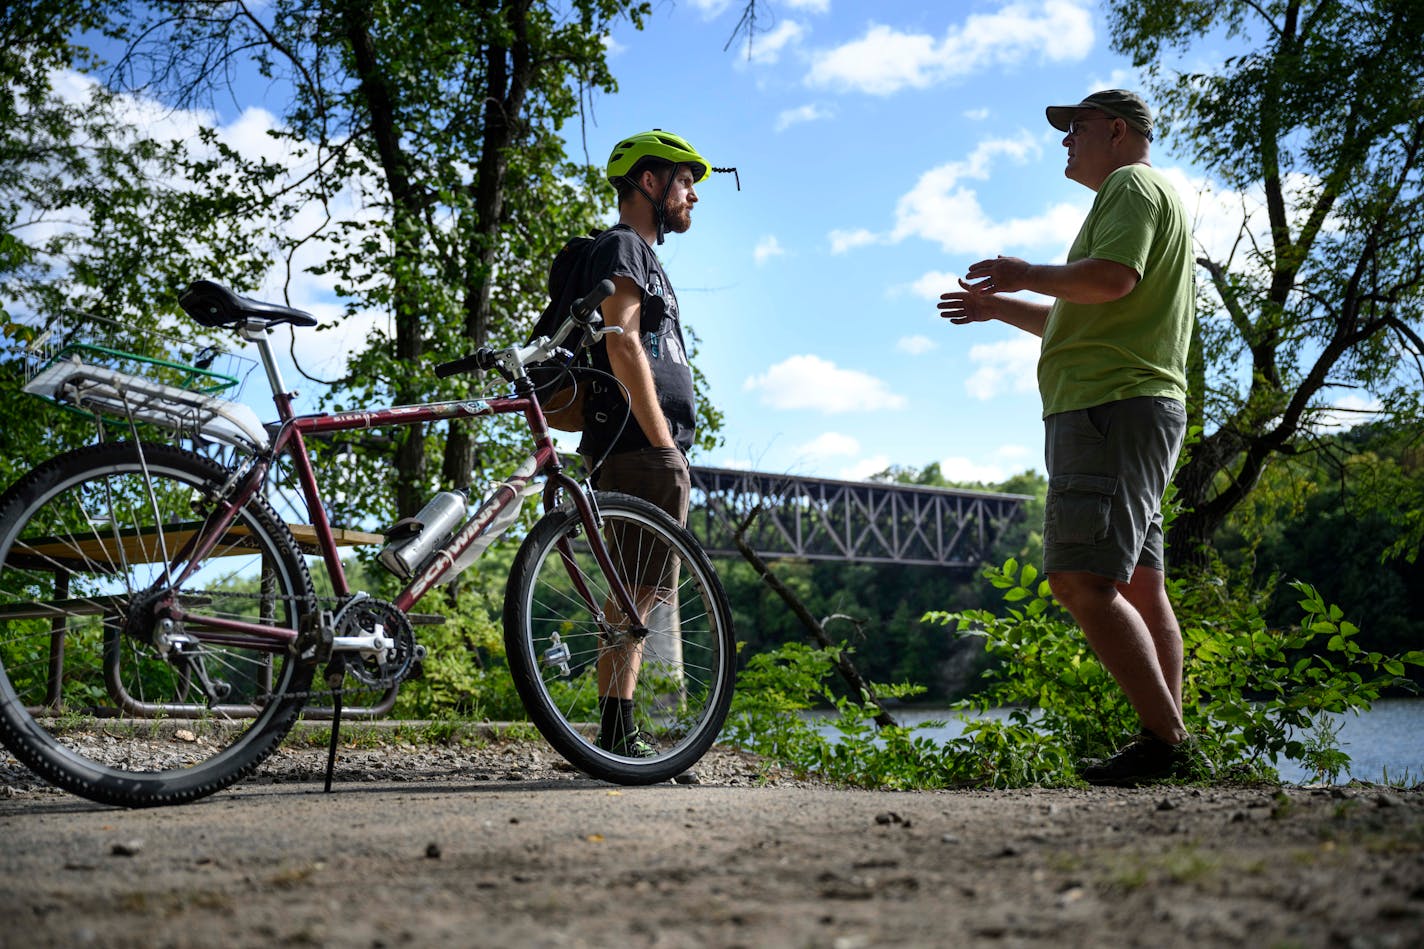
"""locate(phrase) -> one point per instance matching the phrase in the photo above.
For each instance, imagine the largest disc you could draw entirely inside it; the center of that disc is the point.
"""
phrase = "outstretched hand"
(969, 305)
(976, 301)
(998, 275)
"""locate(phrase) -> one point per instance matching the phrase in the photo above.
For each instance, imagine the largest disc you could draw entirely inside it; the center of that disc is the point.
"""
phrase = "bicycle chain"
(377, 687)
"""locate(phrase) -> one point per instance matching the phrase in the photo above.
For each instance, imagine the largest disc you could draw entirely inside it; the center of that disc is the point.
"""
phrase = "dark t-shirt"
(620, 252)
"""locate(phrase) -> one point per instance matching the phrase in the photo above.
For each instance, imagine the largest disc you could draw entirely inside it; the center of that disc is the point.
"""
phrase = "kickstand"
(335, 674)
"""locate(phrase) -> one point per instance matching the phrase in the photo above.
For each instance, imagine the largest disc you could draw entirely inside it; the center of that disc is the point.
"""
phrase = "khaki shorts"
(657, 475)
(1108, 468)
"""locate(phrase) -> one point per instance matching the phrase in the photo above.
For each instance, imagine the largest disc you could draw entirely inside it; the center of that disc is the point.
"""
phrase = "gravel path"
(503, 845)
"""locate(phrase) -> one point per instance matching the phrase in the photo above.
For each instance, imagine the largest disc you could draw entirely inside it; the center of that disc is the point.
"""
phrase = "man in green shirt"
(1112, 374)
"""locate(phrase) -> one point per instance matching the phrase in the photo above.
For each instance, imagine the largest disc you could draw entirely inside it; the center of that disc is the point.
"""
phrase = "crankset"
(377, 640)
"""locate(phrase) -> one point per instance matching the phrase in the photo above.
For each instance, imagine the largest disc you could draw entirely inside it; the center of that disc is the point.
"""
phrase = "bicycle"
(161, 627)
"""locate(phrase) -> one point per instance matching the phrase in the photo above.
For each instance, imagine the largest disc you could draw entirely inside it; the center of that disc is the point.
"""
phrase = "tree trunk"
(862, 689)
(406, 202)
(509, 71)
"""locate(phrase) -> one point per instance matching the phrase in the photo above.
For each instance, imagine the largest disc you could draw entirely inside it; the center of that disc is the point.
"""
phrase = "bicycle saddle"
(212, 304)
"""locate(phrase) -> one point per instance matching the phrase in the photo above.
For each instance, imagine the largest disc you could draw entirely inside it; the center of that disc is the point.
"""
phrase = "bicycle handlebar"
(480, 359)
(539, 349)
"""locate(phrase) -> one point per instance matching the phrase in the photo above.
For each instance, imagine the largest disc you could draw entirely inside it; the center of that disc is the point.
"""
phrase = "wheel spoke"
(684, 664)
(99, 685)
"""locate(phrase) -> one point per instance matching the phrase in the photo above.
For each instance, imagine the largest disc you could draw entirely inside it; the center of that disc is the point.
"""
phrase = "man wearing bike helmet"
(642, 427)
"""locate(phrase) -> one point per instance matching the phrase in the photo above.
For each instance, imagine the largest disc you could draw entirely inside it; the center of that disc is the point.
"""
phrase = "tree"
(1321, 120)
(97, 218)
(443, 122)
(1333, 516)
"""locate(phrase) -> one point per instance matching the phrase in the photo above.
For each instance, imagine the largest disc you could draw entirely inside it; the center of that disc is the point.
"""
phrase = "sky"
(881, 148)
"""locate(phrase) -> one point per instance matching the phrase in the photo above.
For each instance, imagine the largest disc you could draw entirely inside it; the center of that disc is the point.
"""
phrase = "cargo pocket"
(1078, 507)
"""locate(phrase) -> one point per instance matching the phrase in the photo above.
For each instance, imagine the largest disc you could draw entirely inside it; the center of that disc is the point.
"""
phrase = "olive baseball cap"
(1119, 103)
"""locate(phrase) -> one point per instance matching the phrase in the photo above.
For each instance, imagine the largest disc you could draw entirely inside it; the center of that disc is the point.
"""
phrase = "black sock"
(625, 708)
(610, 720)
(615, 720)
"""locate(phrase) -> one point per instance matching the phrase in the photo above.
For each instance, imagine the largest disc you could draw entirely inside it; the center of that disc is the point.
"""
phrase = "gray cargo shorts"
(658, 475)
(1108, 468)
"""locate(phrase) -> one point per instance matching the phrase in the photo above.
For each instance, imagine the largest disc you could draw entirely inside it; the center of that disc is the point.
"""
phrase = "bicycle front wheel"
(98, 697)
(566, 644)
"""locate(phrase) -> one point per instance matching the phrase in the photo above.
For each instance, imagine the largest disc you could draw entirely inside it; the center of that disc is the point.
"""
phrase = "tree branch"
(859, 687)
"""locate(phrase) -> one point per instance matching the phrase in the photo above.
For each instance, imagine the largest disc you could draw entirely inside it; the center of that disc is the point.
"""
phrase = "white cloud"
(963, 469)
(1345, 413)
(611, 46)
(829, 445)
(885, 60)
(864, 468)
(1008, 366)
(942, 209)
(976, 115)
(766, 48)
(916, 345)
(710, 9)
(810, 6)
(810, 382)
(842, 241)
(932, 284)
(800, 114)
(881, 62)
(767, 248)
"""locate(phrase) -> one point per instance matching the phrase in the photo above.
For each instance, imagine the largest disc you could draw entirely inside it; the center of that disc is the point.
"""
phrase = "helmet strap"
(659, 210)
(659, 217)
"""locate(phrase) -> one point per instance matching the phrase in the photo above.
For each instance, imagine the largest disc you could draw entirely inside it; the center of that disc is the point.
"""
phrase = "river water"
(1385, 744)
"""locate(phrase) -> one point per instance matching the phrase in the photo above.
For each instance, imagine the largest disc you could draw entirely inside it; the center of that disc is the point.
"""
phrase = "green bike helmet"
(656, 144)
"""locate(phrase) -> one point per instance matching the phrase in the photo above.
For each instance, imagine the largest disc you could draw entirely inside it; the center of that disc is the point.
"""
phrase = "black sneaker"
(1146, 759)
(629, 746)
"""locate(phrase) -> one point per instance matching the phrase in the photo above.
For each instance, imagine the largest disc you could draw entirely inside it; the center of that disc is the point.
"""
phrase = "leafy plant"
(464, 674)
(1253, 694)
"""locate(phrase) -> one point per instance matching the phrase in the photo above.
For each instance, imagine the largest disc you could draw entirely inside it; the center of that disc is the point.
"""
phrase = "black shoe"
(629, 746)
(1146, 759)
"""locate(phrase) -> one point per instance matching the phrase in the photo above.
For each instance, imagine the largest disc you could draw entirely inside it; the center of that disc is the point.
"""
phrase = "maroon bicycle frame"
(291, 441)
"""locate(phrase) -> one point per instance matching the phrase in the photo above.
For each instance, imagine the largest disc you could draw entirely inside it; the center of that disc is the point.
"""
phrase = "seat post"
(257, 331)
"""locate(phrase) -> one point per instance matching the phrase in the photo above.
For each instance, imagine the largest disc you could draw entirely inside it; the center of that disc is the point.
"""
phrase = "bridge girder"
(859, 521)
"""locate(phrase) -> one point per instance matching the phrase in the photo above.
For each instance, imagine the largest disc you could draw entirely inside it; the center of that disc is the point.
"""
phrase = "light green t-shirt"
(1135, 346)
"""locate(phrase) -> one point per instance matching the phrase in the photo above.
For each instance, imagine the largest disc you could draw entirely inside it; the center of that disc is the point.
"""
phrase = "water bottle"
(501, 521)
(414, 539)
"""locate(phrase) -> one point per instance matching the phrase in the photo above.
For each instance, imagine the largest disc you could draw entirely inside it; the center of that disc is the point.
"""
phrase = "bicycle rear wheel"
(557, 619)
(94, 696)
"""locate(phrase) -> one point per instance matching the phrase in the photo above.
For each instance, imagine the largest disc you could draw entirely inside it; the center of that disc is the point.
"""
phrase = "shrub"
(1253, 695)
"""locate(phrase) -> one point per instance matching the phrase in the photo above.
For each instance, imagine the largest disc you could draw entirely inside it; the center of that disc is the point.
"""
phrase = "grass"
(379, 734)
(1182, 865)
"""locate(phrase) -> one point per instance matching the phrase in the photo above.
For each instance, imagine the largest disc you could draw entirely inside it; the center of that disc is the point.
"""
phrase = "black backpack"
(563, 389)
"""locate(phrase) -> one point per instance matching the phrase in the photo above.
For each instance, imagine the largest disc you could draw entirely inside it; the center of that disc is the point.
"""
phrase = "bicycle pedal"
(315, 637)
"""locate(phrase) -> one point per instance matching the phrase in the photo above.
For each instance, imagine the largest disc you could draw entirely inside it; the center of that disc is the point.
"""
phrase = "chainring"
(359, 617)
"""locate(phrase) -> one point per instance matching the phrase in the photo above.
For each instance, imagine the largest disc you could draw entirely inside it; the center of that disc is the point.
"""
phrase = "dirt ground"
(504, 846)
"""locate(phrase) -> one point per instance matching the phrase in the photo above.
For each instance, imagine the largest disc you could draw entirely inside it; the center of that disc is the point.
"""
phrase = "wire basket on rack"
(122, 374)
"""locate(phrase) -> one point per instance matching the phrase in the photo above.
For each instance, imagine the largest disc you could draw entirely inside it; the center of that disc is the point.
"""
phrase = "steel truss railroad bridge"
(870, 522)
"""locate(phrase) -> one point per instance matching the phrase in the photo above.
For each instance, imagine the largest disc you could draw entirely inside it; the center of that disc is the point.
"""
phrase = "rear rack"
(86, 364)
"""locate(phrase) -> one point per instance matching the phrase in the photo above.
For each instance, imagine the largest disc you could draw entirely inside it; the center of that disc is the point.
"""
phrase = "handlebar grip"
(584, 306)
(479, 359)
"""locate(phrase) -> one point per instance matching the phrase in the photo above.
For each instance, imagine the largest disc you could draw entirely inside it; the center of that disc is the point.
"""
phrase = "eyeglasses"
(1075, 126)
